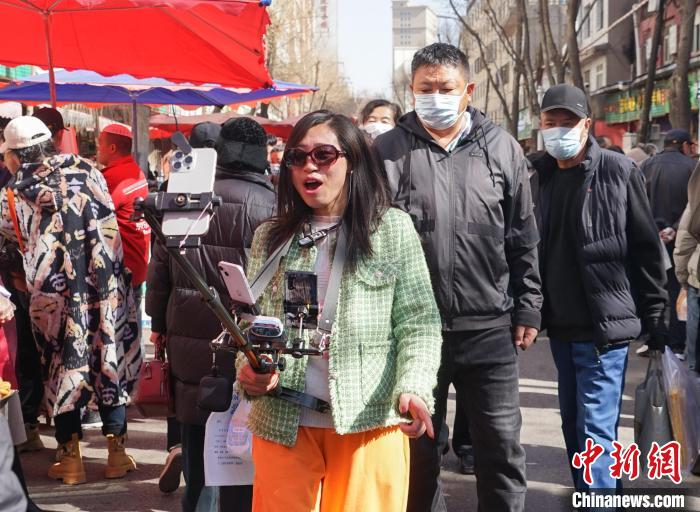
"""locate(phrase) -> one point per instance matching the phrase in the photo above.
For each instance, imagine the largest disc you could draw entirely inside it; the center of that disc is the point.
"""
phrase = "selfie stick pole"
(210, 295)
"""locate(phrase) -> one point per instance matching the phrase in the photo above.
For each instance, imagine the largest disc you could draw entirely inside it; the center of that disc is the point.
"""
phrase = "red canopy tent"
(196, 41)
(185, 123)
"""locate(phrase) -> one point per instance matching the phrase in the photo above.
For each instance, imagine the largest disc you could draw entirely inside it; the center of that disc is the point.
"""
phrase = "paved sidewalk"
(548, 474)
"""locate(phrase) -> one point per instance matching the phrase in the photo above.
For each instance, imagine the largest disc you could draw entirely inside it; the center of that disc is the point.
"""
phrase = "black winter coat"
(175, 306)
(619, 253)
(473, 212)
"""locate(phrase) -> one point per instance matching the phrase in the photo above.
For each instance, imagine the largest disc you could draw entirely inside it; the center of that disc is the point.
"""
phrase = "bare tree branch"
(517, 74)
(549, 46)
(644, 121)
(572, 42)
(521, 59)
(482, 54)
(680, 115)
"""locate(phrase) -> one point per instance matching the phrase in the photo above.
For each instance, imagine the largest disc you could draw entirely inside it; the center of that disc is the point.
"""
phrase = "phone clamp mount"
(156, 204)
(263, 357)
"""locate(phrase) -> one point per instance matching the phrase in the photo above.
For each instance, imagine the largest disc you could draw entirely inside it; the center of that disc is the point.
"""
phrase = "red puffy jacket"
(126, 182)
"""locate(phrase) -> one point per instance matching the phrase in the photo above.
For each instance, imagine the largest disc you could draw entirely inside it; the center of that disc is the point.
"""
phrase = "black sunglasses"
(325, 154)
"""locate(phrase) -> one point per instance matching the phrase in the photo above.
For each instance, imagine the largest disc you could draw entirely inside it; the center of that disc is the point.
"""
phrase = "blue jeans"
(691, 327)
(590, 396)
(68, 423)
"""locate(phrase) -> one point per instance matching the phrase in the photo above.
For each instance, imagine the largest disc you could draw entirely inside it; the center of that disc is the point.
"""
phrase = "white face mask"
(375, 129)
(439, 111)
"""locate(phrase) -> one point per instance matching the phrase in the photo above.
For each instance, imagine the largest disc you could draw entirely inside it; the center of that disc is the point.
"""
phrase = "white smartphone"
(190, 173)
(236, 283)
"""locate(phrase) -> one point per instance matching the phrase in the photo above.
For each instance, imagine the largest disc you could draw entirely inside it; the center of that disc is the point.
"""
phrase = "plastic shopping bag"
(221, 466)
(651, 418)
(239, 439)
(683, 399)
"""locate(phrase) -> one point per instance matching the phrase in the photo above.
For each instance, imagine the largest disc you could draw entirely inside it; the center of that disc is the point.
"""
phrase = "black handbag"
(215, 392)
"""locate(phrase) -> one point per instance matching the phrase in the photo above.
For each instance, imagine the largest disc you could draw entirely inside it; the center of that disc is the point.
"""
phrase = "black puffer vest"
(601, 240)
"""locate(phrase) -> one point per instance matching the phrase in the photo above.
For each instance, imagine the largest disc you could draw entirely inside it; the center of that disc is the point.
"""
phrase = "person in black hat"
(602, 273)
(52, 118)
(205, 135)
(667, 176)
(248, 200)
(64, 140)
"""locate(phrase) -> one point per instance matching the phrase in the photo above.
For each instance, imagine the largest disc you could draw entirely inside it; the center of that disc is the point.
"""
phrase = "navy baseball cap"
(677, 136)
(565, 96)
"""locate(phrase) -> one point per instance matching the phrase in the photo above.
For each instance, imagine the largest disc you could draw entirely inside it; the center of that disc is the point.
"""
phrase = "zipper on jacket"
(453, 223)
(581, 228)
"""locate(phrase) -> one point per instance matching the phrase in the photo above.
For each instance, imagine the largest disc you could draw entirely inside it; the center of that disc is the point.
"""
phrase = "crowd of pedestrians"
(439, 251)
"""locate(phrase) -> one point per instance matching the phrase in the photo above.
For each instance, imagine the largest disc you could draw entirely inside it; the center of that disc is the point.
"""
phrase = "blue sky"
(364, 41)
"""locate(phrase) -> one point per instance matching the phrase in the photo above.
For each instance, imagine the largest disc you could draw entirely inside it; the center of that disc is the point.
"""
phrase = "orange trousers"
(329, 472)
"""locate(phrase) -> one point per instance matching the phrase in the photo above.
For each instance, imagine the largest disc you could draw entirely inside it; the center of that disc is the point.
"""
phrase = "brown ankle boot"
(118, 462)
(70, 467)
(33, 442)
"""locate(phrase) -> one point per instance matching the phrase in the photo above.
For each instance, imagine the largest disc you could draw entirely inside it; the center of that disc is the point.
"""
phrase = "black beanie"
(205, 135)
(242, 144)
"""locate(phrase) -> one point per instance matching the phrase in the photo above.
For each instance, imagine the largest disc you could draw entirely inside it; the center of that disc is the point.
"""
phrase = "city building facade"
(413, 27)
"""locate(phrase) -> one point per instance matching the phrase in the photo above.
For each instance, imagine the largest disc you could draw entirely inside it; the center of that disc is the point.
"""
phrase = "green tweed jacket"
(386, 339)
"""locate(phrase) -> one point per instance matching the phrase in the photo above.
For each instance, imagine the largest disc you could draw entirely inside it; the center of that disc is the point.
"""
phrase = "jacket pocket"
(475, 228)
(481, 273)
(377, 274)
(370, 300)
(378, 371)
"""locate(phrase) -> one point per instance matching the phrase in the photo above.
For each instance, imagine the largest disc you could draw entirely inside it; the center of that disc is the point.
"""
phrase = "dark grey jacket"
(619, 252)
(473, 211)
(667, 176)
(176, 307)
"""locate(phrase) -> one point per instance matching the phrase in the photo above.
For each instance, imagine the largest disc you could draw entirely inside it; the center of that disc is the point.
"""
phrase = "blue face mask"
(563, 143)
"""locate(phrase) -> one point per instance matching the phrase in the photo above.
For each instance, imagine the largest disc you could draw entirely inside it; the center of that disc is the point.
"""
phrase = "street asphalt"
(547, 471)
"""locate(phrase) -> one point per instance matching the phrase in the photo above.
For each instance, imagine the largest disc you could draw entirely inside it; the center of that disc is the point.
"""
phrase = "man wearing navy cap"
(602, 273)
(667, 176)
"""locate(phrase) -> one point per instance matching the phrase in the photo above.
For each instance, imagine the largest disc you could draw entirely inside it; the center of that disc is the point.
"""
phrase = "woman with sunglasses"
(379, 365)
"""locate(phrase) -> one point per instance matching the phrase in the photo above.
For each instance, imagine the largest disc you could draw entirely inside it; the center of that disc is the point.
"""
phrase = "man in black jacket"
(178, 312)
(464, 181)
(602, 273)
(667, 176)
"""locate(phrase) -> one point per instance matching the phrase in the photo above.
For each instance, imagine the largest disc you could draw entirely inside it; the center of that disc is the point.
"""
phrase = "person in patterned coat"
(81, 304)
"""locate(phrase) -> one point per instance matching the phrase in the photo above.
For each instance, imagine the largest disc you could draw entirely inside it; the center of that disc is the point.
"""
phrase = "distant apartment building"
(326, 28)
(607, 54)
(414, 26)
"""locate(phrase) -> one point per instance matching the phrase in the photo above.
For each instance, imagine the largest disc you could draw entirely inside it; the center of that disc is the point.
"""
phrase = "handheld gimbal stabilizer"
(261, 345)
